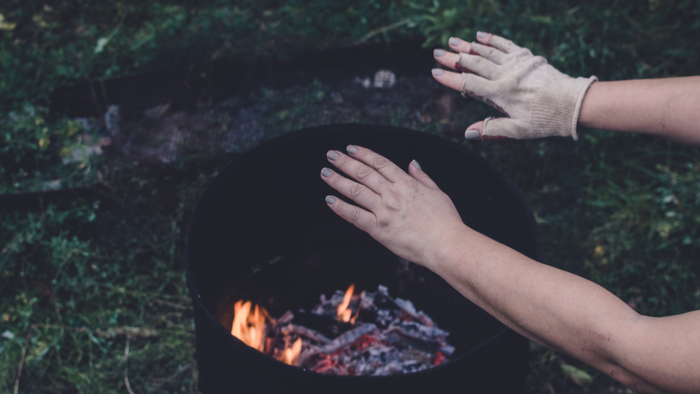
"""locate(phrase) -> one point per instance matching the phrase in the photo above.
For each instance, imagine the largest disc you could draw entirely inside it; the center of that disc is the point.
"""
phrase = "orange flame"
(249, 328)
(290, 355)
(344, 314)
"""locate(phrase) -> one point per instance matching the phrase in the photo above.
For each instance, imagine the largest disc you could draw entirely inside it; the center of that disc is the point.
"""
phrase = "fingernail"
(330, 199)
(415, 164)
(481, 34)
(332, 155)
(438, 71)
(326, 172)
(454, 41)
(352, 149)
(472, 134)
(438, 52)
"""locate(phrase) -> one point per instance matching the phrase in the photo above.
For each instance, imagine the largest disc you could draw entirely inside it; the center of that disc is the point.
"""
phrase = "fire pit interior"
(262, 232)
(370, 333)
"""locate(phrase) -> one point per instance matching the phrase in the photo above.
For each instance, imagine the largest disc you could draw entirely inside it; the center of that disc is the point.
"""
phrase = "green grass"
(86, 271)
(83, 279)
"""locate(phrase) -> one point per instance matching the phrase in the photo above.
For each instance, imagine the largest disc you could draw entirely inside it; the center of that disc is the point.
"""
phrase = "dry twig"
(383, 29)
(21, 359)
(173, 376)
(126, 366)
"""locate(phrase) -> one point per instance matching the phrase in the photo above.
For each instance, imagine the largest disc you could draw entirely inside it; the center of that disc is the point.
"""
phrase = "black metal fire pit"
(263, 232)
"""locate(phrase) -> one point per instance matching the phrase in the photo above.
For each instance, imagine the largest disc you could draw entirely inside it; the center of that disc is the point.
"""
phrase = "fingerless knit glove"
(539, 100)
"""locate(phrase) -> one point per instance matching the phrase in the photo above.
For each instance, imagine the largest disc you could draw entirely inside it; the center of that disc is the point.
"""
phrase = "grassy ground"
(92, 288)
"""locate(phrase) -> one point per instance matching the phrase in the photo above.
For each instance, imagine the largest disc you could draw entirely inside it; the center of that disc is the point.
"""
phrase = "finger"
(359, 171)
(378, 163)
(477, 65)
(362, 219)
(357, 192)
(504, 129)
(447, 59)
(450, 79)
(495, 41)
(476, 87)
(481, 89)
(415, 170)
(475, 131)
(493, 54)
(460, 46)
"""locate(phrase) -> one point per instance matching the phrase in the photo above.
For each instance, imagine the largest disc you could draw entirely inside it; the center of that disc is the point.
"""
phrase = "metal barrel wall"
(268, 206)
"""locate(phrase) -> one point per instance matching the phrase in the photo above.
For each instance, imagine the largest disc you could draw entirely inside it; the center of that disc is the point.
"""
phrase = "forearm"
(668, 108)
(552, 307)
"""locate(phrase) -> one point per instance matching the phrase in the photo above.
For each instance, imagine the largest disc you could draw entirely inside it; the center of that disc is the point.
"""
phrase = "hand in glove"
(539, 101)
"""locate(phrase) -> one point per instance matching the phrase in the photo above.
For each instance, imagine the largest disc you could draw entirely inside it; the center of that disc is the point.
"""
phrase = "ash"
(389, 336)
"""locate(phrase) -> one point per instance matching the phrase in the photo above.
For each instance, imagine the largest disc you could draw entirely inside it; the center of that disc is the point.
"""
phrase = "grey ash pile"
(365, 334)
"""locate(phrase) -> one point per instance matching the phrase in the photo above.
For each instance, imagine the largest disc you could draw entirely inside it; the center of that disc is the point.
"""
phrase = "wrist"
(591, 108)
(450, 249)
(584, 85)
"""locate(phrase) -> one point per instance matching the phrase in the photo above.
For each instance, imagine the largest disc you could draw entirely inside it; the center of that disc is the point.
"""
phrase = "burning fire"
(369, 348)
(249, 328)
(290, 355)
(345, 313)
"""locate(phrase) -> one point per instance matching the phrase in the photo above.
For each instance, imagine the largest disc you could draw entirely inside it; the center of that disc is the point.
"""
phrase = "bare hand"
(406, 212)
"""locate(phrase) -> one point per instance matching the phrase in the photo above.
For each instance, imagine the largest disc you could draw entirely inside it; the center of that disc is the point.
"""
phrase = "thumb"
(415, 170)
(491, 129)
(475, 131)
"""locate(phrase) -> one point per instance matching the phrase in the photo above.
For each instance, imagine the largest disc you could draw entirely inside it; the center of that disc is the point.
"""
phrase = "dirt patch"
(240, 123)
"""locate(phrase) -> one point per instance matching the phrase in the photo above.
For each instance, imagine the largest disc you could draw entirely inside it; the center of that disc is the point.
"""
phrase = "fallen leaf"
(101, 44)
(44, 143)
(6, 25)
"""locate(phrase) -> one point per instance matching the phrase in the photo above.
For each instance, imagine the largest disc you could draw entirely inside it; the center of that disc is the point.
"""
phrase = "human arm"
(570, 314)
(413, 218)
(669, 108)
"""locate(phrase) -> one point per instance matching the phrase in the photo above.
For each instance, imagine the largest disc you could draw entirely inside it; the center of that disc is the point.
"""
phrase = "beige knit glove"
(539, 100)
